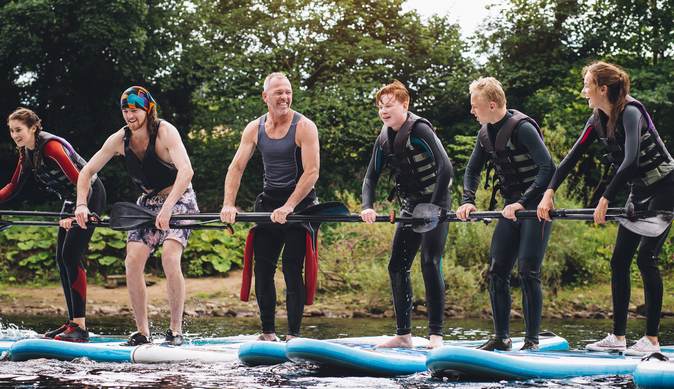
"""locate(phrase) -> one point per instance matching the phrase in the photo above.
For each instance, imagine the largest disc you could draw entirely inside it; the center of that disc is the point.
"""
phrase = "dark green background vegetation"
(204, 61)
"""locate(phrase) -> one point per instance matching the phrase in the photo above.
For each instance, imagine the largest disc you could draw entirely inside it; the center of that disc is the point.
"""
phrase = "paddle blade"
(330, 208)
(430, 213)
(650, 226)
(128, 216)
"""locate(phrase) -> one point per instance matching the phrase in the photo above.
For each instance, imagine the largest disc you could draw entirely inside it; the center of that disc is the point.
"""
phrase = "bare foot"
(290, 337)
(397, 341)
(435, 341)
(268, 337)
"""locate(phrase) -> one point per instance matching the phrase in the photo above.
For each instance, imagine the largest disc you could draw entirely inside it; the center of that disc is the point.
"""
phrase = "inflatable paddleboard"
(654, 374)
(272, 353)
(366, 359)
(212, 350)
(517, 365)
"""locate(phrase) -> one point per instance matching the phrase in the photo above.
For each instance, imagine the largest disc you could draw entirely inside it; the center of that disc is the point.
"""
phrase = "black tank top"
(151, 175)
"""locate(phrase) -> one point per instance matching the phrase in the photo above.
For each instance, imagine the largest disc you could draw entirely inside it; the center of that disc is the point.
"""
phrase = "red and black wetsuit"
(55, 164)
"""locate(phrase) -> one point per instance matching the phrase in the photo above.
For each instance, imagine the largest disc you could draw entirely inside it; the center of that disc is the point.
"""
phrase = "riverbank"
(219, 297)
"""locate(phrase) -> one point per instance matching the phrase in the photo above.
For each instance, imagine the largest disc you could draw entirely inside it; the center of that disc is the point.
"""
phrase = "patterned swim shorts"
(152, 237)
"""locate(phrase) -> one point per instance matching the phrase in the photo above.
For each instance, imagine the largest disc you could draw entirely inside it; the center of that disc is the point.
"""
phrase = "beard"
(138, 124)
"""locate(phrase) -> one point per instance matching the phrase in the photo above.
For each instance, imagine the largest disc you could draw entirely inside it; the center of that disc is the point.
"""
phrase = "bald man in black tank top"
(288, 142)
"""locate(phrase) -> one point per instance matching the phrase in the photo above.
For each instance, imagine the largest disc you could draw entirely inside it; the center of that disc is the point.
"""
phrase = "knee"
(529, 277)
(498, 280)
(134, 262)
(647, 262)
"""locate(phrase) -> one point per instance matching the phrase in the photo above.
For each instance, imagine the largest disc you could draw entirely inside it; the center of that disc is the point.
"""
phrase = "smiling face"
(135, 118)
(278, 96)
(392, 111)
(21, 134)
(595, 94)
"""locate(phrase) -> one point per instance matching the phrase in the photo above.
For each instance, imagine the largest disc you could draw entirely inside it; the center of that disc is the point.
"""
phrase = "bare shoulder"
(306, 127)
(166, 129)
(250, 132)
(115, 142)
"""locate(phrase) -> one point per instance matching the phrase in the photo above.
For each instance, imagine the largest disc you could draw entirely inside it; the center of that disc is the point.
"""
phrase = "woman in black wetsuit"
(625, 128)
(53, 162)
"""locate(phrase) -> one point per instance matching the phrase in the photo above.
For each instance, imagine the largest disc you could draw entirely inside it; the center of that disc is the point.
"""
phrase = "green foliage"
(28, 254)
(211, 252)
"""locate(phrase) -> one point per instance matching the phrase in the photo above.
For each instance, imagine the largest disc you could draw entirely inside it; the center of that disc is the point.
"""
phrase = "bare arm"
(112, 146)
(239, 163)
(235, 171)
(307, 139)
(170, 139)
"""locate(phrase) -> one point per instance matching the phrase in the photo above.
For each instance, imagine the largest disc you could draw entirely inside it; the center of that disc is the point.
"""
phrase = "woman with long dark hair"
(622, 124)
(54, 163)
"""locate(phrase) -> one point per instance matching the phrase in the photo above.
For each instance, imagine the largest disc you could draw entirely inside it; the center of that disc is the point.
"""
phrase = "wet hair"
(617, 82)
(490, 88)
(30, 119)
(271, 76)
(397, 89)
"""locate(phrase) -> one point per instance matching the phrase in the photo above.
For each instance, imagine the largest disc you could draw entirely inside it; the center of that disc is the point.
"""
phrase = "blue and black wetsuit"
(644, 164)
(523, 167)
(423, 174)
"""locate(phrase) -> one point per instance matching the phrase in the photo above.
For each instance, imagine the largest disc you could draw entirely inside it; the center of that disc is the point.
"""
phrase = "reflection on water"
(84, 373)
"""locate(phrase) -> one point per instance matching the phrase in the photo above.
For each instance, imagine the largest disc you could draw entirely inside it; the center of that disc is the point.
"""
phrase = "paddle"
(645, 223)
(128, 216)
(10, 212)
(5, 224)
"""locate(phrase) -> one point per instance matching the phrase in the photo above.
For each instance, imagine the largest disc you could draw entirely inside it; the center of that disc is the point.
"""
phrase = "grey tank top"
(281, 158)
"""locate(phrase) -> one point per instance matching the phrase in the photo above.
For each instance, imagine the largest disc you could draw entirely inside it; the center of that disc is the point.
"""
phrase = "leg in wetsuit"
(405, 245)
(268, 242)
(647, 261)
(523, 241)
(71, 246)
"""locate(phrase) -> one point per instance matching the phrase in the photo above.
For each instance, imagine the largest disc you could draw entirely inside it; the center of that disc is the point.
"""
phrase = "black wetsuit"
(521, 241)
(655, 194)
(422, 142)
(57, 167)
(282, 161)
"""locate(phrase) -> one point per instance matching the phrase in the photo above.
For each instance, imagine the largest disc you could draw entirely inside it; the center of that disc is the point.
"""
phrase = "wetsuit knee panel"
(498, 281)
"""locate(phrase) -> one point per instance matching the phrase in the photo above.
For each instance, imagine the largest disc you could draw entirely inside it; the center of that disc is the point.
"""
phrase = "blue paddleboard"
(654, 374)
(366, 359)
(213, 350)
(517, 365)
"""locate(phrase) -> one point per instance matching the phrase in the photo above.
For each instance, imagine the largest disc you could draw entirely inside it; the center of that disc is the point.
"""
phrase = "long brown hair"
(617, 82)
(30, 120)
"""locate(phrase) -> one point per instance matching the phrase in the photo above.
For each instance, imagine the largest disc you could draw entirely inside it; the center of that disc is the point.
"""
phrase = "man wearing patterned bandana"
(158, 164)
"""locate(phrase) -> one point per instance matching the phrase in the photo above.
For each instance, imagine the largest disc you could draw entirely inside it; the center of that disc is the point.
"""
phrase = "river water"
(86, 374)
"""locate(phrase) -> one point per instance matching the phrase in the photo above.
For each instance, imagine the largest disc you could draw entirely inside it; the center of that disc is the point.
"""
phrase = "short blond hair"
(490, 88)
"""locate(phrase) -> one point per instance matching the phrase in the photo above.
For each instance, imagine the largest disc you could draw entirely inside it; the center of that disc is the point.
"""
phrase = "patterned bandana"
(137, 97)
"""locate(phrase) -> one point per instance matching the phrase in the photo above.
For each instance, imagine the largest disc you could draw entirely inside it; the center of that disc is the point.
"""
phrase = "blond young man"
(512, 143)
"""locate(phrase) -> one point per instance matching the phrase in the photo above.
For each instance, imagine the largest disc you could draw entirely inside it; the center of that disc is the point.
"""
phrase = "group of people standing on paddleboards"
(508, 142)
